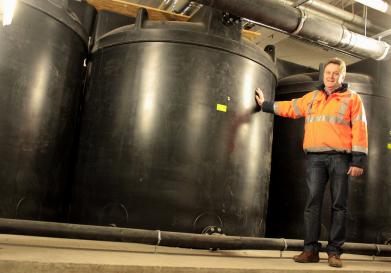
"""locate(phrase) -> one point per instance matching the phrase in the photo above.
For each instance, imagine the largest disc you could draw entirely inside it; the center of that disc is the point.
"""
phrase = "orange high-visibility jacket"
(332, 123)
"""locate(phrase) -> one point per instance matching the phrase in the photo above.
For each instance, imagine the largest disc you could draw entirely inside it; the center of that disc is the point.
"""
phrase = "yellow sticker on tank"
(389, 146)
(221, 107)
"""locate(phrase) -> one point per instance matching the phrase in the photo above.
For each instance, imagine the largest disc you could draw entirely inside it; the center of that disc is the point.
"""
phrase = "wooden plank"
(251, 35)
(130, 9)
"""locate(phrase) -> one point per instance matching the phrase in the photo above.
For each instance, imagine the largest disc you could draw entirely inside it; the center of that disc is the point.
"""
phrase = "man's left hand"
(355, 171)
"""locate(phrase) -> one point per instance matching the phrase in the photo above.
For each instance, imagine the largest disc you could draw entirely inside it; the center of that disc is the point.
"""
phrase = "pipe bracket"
(285, 246)
(346, 39)
(303, 17)
(159, 237)
(378, 250)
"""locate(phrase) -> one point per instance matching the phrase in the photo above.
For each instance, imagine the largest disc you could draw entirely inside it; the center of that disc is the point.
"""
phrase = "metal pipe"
(301, 38)
(349, 25)
(180, 5)
(306, 25)
(165, 4)
(171, 239)
(340, 14)
(191, 9)
(185, 7)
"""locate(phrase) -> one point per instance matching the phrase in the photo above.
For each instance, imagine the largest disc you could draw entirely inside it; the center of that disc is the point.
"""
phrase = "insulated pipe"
(341, 14)
(297, 22)
(191, 8)
(328, 17)
(186, 7)
(349, 25)
(303, 39)
(171, 239)
(176, 6)
(180, 5)
(165, 4)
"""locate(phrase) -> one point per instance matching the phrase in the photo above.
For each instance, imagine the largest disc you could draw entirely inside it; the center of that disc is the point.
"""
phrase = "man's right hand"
(355, 171)
(259, 98)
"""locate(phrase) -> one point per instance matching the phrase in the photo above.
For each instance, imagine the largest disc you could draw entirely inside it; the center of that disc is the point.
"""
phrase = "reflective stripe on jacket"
(332, 123)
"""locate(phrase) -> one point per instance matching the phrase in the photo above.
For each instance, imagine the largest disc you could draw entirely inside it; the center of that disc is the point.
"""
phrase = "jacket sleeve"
(294, 109)
(359, 133)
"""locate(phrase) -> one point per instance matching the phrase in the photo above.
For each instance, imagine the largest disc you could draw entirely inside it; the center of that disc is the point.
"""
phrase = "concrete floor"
(51, 255)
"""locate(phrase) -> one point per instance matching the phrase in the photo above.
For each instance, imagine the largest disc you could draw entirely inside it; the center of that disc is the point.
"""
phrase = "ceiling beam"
(130, 9)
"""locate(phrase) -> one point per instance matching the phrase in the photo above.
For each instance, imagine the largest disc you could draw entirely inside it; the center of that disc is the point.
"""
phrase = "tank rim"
(130, 34)
(60, 14)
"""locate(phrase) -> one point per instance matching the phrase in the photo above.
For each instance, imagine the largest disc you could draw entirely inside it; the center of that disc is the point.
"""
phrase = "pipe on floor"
(171, 239)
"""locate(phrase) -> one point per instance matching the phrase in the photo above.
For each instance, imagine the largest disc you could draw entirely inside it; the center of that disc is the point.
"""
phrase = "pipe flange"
(346, 40)
(159, 237)
(285, 246)
(303, 18)
(378, 251)
(385, 53)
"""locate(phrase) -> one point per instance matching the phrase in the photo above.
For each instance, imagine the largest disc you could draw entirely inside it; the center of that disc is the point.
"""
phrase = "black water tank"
(166, 142)
(41, 62)
(369, 217)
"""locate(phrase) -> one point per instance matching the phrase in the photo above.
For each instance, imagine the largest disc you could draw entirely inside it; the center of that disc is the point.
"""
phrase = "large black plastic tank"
(167, 140)
(41, 64)
(369, 215)
(85, 13)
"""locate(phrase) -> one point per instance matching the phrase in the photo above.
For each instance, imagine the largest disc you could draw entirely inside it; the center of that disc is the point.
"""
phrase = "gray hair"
(338, 61)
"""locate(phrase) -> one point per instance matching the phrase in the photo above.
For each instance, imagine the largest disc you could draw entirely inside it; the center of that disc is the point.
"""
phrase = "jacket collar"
(343, 88)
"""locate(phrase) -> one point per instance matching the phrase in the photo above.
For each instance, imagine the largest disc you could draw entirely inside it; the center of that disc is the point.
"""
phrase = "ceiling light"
(7, 8)
(380, 5)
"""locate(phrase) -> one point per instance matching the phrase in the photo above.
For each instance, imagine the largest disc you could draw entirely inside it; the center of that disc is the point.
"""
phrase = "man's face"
(332, 76)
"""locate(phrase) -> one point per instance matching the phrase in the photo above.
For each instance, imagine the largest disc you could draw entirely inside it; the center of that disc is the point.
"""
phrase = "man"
(336, 146)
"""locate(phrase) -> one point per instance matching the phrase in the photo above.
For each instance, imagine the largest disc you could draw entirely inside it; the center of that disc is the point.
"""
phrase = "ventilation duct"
(353, 20)
(297, 22)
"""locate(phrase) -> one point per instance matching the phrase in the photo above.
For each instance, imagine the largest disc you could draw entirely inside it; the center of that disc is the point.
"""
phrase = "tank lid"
(305, 82)
(192, 33)
(58, 9)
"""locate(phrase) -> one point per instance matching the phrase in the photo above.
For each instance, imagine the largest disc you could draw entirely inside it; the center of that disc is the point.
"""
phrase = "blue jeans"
(322, 168)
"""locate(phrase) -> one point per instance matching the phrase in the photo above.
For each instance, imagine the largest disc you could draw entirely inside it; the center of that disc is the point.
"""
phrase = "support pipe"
(185, 7)
(171, 239)
(298, 22)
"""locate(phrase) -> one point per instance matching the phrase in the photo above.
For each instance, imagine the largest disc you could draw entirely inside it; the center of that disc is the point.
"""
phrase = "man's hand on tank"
(259, 98)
